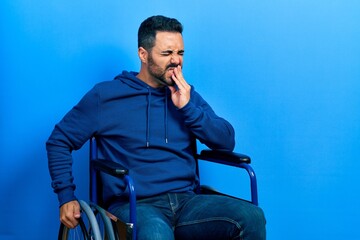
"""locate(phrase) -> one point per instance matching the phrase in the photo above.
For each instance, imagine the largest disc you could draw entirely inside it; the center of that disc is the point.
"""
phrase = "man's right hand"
(70, 214)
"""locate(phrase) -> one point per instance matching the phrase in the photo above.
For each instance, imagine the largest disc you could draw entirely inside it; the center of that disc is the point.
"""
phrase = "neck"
(148, 79)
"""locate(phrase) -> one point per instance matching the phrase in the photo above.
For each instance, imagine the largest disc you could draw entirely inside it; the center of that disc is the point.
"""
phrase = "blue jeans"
(190, 216)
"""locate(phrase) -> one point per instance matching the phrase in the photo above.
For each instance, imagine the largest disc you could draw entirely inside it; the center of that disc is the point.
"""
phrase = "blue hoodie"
(140, 127)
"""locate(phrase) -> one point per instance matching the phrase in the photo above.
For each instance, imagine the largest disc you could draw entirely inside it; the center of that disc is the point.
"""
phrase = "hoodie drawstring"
(148, 117)
(166, 117)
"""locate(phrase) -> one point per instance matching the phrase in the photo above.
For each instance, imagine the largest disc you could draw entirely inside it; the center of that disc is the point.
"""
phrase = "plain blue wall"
(285, 73)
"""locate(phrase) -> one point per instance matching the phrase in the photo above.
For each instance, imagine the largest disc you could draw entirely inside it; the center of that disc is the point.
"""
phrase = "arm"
(70, 134)
(210, 129)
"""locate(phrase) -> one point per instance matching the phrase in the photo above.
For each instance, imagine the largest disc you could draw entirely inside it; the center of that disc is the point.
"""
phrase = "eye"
(166, 53)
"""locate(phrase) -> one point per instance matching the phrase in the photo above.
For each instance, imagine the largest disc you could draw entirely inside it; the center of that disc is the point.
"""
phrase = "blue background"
(285, 73)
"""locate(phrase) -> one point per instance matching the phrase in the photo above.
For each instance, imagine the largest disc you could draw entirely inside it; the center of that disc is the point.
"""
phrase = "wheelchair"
(97, 224)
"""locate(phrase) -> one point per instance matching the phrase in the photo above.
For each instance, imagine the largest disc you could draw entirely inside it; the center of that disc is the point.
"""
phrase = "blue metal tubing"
(251, 172)
(128, 180)
(93, 155)
(253, 183)
(132, 199)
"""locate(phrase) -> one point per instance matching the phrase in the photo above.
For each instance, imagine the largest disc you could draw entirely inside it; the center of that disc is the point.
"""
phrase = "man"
(147, 121)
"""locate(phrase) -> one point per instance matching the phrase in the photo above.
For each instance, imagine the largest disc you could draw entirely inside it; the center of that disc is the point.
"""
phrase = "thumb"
(172, 89)
(76, 210)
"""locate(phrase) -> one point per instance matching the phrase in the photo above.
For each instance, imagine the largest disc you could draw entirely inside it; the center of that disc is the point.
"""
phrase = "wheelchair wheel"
(104, 222)
(87, 228)
(111, 227)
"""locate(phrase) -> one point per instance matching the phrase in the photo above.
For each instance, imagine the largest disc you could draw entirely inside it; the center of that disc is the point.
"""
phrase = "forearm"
(60, 169)
(213, 131)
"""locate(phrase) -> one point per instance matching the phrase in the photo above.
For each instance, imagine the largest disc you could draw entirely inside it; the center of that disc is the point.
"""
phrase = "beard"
(159, 73)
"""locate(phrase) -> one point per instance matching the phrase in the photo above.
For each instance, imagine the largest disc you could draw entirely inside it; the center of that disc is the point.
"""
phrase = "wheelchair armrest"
(224, 157)
(109, 167)
(235, 160)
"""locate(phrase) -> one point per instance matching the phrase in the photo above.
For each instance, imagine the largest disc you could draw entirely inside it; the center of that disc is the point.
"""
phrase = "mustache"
(172, 66)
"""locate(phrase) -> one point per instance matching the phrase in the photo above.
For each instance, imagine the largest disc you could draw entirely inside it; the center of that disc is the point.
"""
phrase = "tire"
(87, 228)
(105, 223)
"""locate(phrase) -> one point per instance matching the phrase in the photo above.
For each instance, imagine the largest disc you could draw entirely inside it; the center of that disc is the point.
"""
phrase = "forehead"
(169, 40)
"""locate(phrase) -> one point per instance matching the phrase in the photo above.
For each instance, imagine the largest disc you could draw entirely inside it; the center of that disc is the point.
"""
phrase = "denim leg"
(152, 221)
(219, 217)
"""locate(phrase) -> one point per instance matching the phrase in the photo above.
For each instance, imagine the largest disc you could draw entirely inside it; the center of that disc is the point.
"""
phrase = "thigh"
(220, 217)
(151, 222)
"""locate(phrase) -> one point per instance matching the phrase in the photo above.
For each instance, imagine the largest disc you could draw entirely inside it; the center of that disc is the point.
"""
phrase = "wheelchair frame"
(111, 222)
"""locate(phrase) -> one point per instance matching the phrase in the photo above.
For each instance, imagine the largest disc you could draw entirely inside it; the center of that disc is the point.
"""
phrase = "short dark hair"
(150, 26)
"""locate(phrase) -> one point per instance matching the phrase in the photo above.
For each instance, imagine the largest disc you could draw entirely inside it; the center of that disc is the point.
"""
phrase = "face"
(166, 54)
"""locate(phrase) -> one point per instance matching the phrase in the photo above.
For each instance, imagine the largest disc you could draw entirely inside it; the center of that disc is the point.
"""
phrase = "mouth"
(172, 66)
(170, 72)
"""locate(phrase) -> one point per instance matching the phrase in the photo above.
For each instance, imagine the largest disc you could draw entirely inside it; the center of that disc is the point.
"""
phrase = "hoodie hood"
(130, 79)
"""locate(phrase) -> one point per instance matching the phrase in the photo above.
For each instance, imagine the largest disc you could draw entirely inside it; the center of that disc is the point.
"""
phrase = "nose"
(176, 59)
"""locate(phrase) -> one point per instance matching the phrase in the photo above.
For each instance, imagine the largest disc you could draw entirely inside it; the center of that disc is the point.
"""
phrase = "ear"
(143, 55)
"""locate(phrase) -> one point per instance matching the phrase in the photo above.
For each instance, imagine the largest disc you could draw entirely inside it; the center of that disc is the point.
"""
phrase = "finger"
(178, 72)
(180, 81)
(69, 214)
(179, 76)
(172, 89)
(69, 221)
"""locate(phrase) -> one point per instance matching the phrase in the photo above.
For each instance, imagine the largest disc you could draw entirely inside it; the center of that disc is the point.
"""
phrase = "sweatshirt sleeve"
(211, 130)
(77, 126)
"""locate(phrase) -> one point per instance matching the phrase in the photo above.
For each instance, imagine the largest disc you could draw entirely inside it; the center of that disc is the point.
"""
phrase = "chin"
(167, 82)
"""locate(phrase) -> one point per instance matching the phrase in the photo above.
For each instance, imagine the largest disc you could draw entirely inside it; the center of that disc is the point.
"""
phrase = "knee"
(254, 227)
(155, 229)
